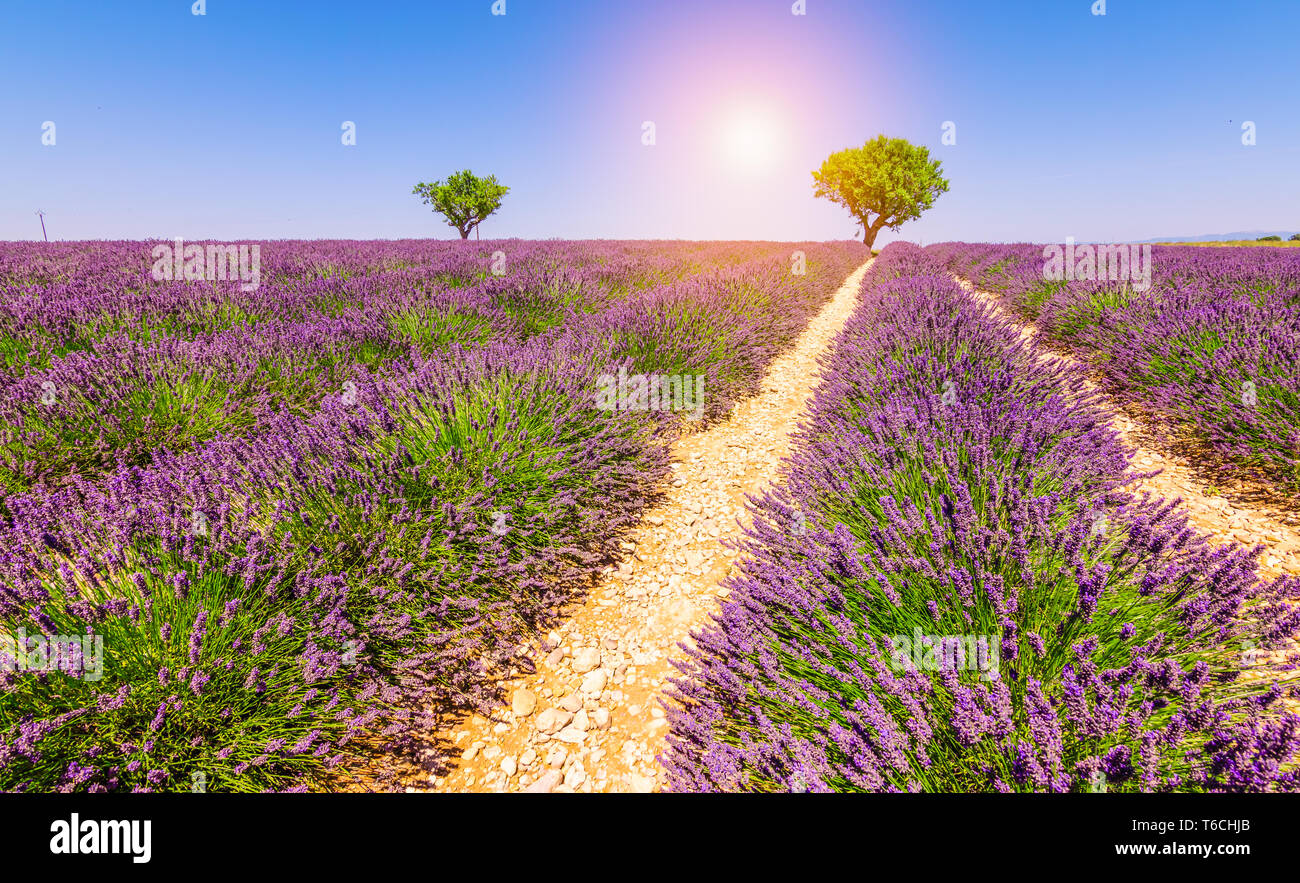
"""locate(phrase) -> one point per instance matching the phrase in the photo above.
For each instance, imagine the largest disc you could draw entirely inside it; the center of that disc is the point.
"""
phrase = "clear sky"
(228, 125)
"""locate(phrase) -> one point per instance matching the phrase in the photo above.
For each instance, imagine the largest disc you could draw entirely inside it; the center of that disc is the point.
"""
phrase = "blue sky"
(228, 125)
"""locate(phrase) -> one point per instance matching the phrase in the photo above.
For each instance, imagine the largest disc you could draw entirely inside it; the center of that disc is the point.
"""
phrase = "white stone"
(585, 660)
(640, 784)
(572, 735)
(594, 682)
(545, 784)
(523, 702)
(552, 720)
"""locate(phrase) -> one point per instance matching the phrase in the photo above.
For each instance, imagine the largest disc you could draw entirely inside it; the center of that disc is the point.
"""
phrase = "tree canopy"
(884, 183)
(466, 200)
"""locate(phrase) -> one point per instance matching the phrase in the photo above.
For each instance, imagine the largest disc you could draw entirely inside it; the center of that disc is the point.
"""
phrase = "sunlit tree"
(466, 200)
(884, 183)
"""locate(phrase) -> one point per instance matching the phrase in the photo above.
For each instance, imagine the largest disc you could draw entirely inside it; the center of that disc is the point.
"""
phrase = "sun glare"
(751, 140)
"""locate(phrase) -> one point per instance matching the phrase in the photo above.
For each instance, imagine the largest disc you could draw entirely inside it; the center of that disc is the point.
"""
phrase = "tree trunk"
(870, 231)
(464, 233)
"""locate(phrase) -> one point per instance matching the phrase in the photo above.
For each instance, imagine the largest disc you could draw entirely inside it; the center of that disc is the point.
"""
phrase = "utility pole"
(43, 233)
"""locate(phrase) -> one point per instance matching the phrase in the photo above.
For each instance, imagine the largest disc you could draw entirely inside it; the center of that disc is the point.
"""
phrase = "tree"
(889, 178)
(1295, 237)
(466, 199)
(1269, 239)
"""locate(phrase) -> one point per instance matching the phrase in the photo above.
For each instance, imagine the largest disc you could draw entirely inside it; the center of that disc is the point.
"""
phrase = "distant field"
(1235, 242)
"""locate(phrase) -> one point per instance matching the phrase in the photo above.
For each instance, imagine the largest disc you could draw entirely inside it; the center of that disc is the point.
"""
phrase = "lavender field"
(262, 535)
(291, 530)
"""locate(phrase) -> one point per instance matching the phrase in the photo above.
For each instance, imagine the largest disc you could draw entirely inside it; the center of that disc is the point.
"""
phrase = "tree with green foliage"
(465, 199)
(1269, 239)
(1295, 237)
(888, 178)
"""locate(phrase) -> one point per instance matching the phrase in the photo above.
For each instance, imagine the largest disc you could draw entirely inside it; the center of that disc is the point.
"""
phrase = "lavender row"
(59, 298)
(119, 398)
(955, 590)
(1208, 350)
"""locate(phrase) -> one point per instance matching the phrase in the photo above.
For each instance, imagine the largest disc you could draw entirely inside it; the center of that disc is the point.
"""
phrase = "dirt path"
(1226, 514)
(589, 719)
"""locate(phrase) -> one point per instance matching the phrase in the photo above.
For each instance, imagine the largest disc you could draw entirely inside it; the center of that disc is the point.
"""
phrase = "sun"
(750, 139)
